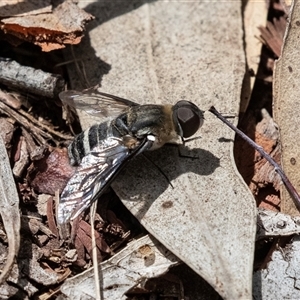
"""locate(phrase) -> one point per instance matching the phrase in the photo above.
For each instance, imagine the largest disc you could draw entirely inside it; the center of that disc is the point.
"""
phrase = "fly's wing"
(96, 103)
(94, 174)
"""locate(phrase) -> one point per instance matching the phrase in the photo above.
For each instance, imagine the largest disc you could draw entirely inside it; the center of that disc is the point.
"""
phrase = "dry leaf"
(286, 103)
(280, 279)
(9, 210)
(255, 13)
(275, 224)
(51, 173)
(160, 53)
(273, 33)
(141, 259)
(29, 269)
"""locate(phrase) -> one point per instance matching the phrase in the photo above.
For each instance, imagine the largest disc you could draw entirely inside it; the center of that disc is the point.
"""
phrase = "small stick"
(94, 251)
(278, 169)
(30, 80)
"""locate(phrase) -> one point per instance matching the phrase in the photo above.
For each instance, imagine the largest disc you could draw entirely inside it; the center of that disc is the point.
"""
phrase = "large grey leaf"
(141, 259)
(9, 210)
(286, 104)
(161, 52)
(280, 279)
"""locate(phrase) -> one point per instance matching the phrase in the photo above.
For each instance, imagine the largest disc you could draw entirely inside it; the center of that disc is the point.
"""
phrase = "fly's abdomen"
(84, 142)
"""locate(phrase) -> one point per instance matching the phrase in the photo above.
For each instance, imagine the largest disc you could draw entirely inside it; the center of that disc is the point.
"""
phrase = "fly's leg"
(182, 146)
(120, 124)
(159, 169)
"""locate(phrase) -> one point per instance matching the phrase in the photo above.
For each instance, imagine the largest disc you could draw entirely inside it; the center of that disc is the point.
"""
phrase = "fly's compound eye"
(188, 117)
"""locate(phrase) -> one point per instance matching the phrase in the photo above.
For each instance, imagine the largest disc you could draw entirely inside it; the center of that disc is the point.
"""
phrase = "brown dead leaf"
(51, 173)
(87, 243)
(50, 31)
(80, 252)
(101, 244)
(273, 34)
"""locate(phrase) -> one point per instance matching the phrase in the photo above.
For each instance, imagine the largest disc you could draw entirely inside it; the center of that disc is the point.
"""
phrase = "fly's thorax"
(153, 120)
(84, 142)
(166, 132)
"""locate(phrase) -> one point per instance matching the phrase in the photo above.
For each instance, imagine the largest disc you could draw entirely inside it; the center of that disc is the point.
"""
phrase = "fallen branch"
(30, 80)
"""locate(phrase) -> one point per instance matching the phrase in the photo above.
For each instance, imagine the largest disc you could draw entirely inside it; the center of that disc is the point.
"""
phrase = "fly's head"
(187, 117)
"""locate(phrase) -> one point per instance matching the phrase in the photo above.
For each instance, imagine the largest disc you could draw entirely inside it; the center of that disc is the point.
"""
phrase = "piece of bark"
(29, 268)
(258, 173)
(267, 136)
(22, 162)
(7, 131)
(281, 277)
(9, 99)
(42, 204)
(285, 5)
(34, 225)
(50, 215)
(50, 31)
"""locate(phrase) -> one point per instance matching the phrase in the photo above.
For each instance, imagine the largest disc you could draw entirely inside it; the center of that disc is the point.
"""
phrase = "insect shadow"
(141, 181)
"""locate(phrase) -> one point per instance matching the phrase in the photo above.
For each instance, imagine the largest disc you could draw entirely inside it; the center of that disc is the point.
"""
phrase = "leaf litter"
(37, 146)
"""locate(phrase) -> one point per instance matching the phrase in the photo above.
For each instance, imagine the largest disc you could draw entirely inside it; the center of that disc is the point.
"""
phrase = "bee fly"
(128, 130)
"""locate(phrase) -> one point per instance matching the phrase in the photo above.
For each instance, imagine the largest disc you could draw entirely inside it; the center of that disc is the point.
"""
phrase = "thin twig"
(278, 169)
(81, 72)
(39, 135)
(44, 126)
(94, 251)
(36, 128)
